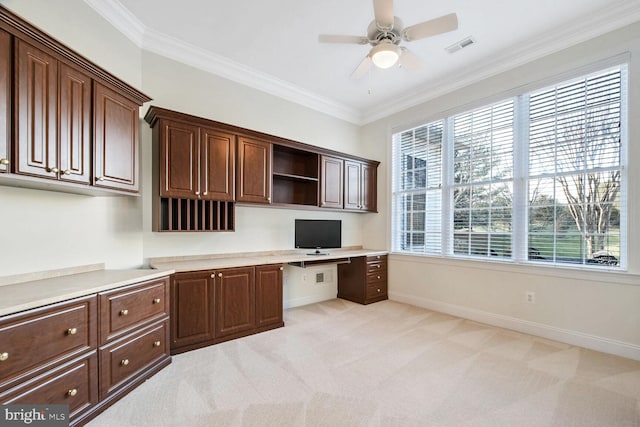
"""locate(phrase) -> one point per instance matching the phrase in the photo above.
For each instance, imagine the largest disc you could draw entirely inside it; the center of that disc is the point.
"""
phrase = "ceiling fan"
(386, 32)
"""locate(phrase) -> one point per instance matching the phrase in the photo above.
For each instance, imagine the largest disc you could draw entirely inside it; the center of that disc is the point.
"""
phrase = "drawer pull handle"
(213, 276)
(378, 266)
(378, 289)
(72, 392)
(4, 356)
(156, 300)
(219, 274)
(72, 331)
(156, 343)
(378, 277)
(124, 312)
(124, 362)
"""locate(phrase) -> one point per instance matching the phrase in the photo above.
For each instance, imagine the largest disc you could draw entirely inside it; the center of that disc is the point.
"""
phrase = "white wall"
(595, 310)
(44, 230)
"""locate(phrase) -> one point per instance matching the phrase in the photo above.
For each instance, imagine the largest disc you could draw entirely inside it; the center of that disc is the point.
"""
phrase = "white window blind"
(536, 178)
(575, 171)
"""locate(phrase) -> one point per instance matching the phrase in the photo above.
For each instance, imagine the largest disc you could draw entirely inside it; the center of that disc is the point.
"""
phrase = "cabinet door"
(369, 188)
(192, 305)
(268, 295)
(331, 182)
(352, 185)
(254, 171)
(235, 300)
(217, 164)
(115, 140)
(36, 87)
(5, 99)
(179, 174)
(75, 125)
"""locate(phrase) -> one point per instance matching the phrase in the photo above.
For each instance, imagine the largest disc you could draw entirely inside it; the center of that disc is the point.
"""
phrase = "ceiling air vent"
(466, 42)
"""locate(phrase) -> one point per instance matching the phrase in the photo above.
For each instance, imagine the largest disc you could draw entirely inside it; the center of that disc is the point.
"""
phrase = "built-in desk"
(215, 298)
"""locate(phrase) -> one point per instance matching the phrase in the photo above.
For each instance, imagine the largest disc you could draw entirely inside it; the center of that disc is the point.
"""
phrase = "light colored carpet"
(386, 364)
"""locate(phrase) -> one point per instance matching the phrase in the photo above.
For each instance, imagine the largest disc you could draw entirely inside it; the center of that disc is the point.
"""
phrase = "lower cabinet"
(87, 352)
(364, 279)
(212, 306)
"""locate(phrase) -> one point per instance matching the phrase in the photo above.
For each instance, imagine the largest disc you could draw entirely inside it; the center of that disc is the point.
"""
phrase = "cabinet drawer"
(122, 310)
(123, 359)
(376, 290)
(377, 276)
(376, 263)
(74, 384)
(38, 339)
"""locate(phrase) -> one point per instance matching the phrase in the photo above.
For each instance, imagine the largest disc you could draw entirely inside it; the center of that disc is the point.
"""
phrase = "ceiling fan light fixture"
(385, 54)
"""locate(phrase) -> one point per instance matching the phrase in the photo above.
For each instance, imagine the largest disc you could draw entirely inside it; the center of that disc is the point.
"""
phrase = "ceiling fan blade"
(430, 28)
(362, 69)
(409, 60)
(331, 38)
(383, 10)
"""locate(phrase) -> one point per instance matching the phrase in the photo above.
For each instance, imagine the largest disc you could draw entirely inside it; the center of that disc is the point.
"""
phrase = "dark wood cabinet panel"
(179, 174)
(364, 279)
(192, 305)
(63, 330)
(234, 301)
(36, 104)
(268, 295)
(75, 125)
(122, 311)
(5, 100)
(54, 117)
(74, 384)
(331, 182)
(360, 186)
(254, 171)
(125, 359)
(115, 138)
(217, 164)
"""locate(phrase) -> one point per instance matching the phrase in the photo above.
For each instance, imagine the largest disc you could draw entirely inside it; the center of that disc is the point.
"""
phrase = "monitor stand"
(317, 252)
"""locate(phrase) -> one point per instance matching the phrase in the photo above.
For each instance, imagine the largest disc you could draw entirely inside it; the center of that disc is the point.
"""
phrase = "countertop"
(213, 262)
(45, 289)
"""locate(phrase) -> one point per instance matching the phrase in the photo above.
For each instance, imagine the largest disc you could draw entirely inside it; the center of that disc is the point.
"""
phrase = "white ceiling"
(273, 45)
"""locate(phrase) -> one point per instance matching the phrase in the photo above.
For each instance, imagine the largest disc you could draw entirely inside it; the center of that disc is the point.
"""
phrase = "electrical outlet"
(531, 297)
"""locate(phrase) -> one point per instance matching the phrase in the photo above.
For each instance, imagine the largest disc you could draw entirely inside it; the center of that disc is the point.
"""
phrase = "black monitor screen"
(318, 233)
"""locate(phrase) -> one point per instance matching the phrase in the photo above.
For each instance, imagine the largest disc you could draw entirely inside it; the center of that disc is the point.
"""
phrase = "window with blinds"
(535, 178)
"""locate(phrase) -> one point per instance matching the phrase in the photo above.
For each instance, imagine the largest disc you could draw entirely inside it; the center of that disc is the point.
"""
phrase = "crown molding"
(624, 12)
(583, 29)
(167, 46)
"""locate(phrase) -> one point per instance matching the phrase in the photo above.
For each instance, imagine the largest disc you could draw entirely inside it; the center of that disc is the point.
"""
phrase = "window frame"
(521, 174)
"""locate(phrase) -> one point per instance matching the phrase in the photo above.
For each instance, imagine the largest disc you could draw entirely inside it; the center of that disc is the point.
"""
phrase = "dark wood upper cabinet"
(254, 170)
(217, 164)
(68, 120)
(5, 100)
(332, 170)
(234, 301)
(74, 148)
(179, 175)
(36, 147)
(360, 186)
(116, 145)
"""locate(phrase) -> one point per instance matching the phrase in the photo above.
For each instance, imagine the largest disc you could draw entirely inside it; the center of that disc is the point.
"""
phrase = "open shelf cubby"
(295, 176)
(196, 215)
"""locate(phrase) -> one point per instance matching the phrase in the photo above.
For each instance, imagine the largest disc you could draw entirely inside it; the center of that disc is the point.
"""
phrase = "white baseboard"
(297, 302)
(593, 342)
